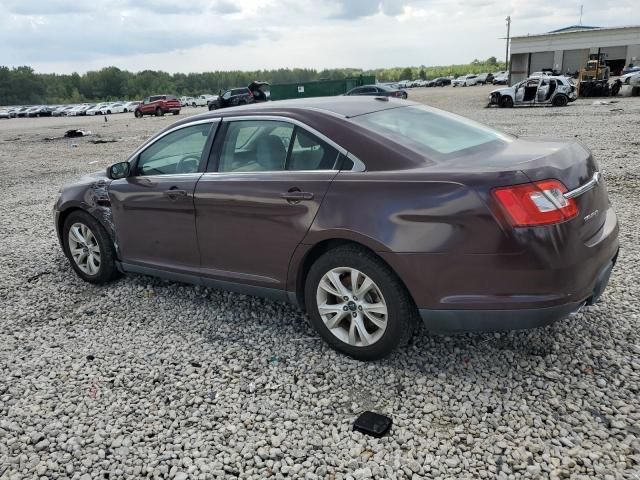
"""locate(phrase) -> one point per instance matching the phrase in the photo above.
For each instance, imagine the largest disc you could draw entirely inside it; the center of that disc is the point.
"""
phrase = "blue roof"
(574, 27)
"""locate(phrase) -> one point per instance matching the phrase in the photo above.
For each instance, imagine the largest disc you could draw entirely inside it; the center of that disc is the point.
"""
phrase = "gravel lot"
(151, 379)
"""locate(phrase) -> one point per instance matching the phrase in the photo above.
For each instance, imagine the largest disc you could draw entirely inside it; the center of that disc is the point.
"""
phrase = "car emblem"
(591, 215)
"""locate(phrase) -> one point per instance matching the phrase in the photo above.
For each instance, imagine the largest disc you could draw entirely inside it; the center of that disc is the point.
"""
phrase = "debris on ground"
(604, 102)
(77, 133)
(102, 140)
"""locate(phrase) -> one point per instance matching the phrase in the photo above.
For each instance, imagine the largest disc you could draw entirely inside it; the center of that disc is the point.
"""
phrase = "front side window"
(176, 152)
(269, 145)
(430, 131)
(227, 95)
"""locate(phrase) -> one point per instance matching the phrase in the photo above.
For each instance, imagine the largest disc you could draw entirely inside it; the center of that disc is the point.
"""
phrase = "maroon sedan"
(369, 213)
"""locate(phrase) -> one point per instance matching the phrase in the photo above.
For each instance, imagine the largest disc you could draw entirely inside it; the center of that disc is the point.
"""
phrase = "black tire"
(560, 101)
(402, 312)
(176, 113)
(138, 114)
(404, 96)
(194, 105)
(107, 270)
(212, 106)
(159, 112)
(506, 102)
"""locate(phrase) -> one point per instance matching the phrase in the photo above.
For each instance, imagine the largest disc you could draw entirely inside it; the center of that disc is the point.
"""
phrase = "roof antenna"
(581, 11)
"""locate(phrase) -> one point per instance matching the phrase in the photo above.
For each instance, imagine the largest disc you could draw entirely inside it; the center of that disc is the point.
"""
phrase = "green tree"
(407, 74)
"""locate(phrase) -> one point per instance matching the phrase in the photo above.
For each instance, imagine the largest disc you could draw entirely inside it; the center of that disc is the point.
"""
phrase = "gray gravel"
(151, 379)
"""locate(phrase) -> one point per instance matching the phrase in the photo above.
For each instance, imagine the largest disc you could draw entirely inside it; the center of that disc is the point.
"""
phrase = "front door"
(153, 209)
(266, 182)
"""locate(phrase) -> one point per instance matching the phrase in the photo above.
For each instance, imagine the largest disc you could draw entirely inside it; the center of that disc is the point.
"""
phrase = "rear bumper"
(495, 320)
(510, 319)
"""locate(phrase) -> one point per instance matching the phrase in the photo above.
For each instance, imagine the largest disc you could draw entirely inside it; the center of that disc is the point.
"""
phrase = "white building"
(568, 49)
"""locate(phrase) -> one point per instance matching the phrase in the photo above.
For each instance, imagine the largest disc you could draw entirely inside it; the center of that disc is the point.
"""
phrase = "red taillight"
(250, 93)
(538, 203)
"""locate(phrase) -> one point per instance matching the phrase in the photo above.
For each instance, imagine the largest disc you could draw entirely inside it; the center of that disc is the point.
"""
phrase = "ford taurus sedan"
(369, 213)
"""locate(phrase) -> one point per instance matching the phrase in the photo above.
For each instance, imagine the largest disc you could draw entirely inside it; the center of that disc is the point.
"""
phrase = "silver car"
(545, 90)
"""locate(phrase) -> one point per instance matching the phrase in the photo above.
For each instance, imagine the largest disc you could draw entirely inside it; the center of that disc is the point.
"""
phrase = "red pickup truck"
(158, 105)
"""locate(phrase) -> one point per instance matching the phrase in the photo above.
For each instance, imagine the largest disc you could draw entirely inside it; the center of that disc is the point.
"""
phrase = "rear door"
(153, 208)
(266, 180)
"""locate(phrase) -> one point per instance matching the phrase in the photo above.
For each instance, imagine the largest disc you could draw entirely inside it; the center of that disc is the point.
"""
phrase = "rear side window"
(310, 153)
(430, 131)
(239, 91)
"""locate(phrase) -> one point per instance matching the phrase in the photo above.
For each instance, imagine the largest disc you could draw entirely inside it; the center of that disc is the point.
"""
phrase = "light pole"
(506, 57)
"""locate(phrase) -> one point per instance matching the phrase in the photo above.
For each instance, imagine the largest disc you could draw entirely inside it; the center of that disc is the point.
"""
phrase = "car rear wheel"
(194, 104)
(506, 102)
(357, 303)
(138, 114)
(89, 248)
(159, 112)
(560, 101)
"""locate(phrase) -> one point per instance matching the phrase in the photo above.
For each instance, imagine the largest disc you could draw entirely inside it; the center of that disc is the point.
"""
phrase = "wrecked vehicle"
(544, 90)
(268, 199)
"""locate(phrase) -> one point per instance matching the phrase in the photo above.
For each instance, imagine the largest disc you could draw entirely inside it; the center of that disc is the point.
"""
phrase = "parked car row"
(105, 108)
(496, 78)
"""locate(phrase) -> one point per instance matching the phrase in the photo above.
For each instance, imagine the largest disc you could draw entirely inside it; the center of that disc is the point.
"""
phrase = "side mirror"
(118, 170)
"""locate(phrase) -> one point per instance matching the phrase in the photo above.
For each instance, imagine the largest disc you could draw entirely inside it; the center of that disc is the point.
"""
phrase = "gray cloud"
(226, 7)
(353, 9)
(50, 7)
(76, 38)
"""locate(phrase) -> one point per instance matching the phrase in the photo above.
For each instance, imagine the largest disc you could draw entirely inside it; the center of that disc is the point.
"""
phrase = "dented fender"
(91, 194)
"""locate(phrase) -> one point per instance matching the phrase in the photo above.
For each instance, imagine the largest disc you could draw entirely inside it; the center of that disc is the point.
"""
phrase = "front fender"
(91, 196)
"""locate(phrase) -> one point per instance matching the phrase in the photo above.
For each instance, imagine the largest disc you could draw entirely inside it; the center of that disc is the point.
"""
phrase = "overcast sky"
(202, 35)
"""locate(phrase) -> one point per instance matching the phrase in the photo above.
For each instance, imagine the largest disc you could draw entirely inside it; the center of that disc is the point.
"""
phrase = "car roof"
(341, 106)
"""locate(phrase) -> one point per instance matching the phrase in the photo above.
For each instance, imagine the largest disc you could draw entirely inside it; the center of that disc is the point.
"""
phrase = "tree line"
(23, 86)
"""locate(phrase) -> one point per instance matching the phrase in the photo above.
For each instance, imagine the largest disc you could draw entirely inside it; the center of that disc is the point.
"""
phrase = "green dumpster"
(318, 88)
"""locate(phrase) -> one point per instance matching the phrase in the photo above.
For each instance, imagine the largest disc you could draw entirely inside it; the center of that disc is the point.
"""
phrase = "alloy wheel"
(352, 307)
(84, 248)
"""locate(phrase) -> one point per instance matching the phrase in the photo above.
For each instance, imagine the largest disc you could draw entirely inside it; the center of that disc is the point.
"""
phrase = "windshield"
(428, 130)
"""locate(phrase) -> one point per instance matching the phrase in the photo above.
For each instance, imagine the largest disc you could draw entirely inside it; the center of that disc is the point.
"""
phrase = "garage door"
(615, 53)
(574, 60)
(540, 60)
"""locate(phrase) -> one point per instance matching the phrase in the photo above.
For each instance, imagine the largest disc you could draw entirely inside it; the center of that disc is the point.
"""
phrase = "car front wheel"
(357, 303)
(159, 112)
(506, 102)
(89, 249)
(138, 114)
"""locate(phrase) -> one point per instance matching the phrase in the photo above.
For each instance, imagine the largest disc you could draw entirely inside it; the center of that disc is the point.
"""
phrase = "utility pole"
(506, 57)
(581, 11)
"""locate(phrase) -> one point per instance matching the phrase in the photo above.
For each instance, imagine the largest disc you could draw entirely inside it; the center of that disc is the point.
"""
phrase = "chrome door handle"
(297, 196)
(174, 193)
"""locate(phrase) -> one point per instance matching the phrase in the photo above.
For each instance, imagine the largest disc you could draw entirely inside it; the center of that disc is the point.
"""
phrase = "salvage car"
(369, 213)
(377, 91)
(543, 90)
(465, 81)
(255, 92)
(501, 78)
(158, 105)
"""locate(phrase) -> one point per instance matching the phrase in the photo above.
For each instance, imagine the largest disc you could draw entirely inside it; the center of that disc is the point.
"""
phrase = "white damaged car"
(544, 90)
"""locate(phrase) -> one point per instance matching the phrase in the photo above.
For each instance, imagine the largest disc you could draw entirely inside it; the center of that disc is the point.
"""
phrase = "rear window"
(430, 131)
(170, 97)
